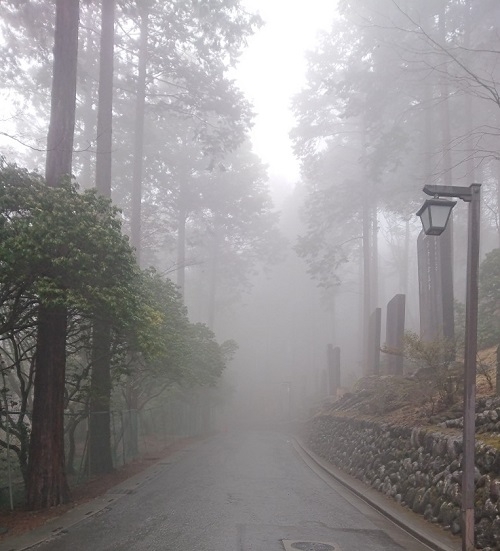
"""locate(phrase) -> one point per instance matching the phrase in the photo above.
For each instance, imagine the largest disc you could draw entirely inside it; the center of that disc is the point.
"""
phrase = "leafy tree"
(205, 361)
(17, 347)
(191, 107)
(356, 137)
(169, 350)
(182, 54)
(199, 222)
(367, 148)
(489, 300)
(158, 341)
(185, 54)
(17, 350)
(62, 249)
(63, 245)
(239, 227)
(435, 370)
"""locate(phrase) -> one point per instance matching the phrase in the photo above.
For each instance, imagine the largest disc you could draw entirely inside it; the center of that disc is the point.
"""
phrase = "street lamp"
(430, 222)
(435, 214)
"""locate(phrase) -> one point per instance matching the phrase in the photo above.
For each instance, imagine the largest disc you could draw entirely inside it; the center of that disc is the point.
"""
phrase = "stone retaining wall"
(418, 467)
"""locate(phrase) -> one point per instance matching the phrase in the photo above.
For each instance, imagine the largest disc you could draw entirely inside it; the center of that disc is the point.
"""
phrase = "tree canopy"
(63, 246)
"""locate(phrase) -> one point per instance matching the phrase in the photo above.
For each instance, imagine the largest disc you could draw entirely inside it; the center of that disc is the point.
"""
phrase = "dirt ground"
(19, 521)
(408, 412)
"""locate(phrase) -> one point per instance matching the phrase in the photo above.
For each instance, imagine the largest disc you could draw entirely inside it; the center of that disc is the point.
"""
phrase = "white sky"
(272, 71)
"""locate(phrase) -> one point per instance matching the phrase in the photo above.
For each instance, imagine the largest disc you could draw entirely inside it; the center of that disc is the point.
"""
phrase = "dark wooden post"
(333, 357)
(374, 342)
(395, 328)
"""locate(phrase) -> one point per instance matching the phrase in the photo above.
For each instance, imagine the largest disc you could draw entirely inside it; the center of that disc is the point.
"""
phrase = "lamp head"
(434, 214)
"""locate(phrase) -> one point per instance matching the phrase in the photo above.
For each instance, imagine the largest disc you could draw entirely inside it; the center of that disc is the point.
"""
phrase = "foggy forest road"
(236, 491)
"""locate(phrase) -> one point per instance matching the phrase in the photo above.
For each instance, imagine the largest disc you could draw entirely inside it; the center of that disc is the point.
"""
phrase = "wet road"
(236, 492)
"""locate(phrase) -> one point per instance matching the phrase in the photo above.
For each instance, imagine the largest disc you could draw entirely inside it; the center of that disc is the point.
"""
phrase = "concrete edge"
(441, 541)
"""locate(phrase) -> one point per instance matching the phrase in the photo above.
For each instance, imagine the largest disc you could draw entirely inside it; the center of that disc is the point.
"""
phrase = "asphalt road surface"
(249, 491)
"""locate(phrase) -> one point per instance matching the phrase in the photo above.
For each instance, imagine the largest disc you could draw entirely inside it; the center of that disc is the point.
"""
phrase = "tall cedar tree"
(47, 484)
(100, 454)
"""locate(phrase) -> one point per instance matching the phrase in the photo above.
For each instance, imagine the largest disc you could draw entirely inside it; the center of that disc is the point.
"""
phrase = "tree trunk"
(135, 232)
(214, 266)
(374, 293)
(498, 202)
(100, 453)
(181, 233)
(105, 106)
(136, 215)
(63, 99)
(87, 116)
(367, 266)
(470, 163)
(131, 432)
(405, 267)
(445, 257)
(71, 448)
(181, 250)
(428, 305)
(47, 484)
(366, 281)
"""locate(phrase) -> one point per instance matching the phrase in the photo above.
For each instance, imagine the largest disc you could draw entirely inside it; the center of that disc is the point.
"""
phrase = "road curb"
(435, 538)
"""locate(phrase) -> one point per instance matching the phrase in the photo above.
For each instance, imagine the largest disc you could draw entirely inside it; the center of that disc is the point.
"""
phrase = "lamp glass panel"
(425, 216)
(439, 215)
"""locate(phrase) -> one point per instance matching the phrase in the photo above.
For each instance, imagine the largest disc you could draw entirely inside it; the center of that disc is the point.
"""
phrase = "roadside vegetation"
(63, 247)
(172, 211)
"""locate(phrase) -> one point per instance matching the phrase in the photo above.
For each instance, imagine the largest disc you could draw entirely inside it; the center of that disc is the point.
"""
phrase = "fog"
(285, 323)
(266, 171)
(416, 122)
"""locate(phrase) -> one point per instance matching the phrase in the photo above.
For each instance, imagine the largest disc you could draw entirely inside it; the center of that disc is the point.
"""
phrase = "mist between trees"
(136, 101)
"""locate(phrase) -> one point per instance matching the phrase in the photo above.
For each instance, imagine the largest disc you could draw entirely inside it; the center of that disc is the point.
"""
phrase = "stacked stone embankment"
(420, 467)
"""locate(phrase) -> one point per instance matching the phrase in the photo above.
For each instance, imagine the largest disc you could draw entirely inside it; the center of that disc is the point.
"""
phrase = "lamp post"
(434, 214)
